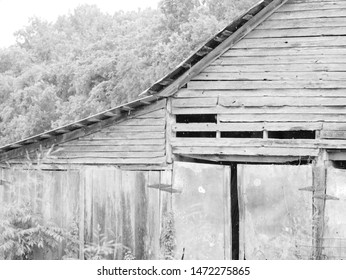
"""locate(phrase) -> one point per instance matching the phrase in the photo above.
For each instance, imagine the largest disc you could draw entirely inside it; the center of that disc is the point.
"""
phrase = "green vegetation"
(88, 61)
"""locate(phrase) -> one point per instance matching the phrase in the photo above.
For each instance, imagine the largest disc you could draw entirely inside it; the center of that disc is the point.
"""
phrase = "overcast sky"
(14, 14)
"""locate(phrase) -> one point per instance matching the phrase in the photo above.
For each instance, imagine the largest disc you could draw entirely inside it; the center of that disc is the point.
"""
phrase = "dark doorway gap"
(234, 212)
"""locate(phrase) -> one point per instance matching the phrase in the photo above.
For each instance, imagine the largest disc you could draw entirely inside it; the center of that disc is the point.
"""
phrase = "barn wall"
(119, 205)
(137, 139)
(286, 75)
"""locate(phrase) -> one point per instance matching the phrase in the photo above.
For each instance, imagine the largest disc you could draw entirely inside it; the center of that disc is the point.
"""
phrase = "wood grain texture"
(185, 93)
(291, 42)
(271, 76)
(306, 14)
(210, 85)
(303, 23)
(301, 59)
(294, 51)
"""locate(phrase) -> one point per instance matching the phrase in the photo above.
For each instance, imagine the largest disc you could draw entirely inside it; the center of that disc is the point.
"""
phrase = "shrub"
(22, 232)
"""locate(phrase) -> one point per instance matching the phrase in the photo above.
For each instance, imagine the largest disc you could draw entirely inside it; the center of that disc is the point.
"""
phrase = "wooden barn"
(238, 153)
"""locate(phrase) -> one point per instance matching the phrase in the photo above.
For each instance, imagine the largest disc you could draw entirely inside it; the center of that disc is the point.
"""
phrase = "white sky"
(14, 14)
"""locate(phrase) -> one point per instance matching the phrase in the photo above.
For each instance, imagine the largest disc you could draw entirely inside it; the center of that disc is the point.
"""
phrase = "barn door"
(275, 211)
(201, 207)
(334, 236)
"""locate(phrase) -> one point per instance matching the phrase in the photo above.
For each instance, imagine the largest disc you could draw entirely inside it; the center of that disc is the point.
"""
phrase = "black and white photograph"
(173, 130)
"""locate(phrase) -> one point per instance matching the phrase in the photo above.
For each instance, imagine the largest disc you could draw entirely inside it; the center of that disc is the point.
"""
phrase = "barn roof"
(169, 84)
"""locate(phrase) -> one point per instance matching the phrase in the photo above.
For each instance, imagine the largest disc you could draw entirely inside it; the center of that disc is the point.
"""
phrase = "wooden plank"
(81, 217)
(238, 112)
(221, 48)
(106, 148)
(333, 134)
(226, 213)
(313, 1)
(247, 159)
(116, 211)
(258, 142)
(303, 23)
(334, 126)
(301, 59)
(295, 32)
(130, 142)
(338, 104)
(170, 120)
(196, 102)
(128, 135)
(141, 215)
(157, 114)
(277, 68)
(304, 6)
(281, 101)
(74, 155)
(89, 160)
(330, 13)
(186, 93)
(271, 76)
(148, 121)
(251, 151)
(128, 210)
(286, 52)
(210, 85)
(241, 203)
(319, 172)
(132, 129)
(88, 205)
(165, 204)
(282, 118)
(153, 220)
(291, 42)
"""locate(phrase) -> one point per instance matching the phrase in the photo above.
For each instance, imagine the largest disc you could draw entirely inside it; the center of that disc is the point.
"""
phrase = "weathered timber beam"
(319, 174)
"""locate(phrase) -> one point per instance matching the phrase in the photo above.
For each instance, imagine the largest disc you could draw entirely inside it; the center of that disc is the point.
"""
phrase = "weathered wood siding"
(106, 202)
(137, 139)
(287, 74)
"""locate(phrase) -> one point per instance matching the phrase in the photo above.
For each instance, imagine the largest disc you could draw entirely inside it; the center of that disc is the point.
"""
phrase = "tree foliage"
(89, 61)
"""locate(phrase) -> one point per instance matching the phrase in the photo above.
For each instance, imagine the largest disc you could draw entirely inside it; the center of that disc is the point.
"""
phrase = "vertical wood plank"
(128, 210)
(81, 217)
(227, 213)
(319, 172)
(2, 186)
(141, 215)
(117, 212)
(153, 221)
(170, 121)
(88, 204)
(241, 213)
